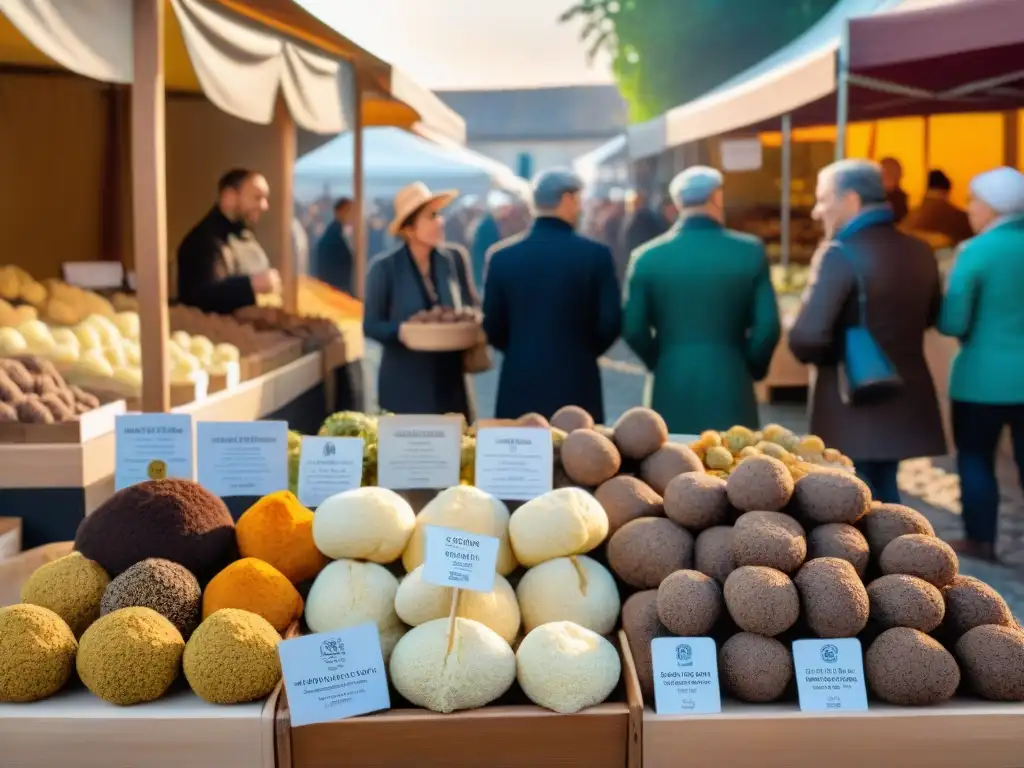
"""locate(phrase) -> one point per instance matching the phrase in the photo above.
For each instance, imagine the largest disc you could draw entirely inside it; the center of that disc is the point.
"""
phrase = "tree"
(667, 52)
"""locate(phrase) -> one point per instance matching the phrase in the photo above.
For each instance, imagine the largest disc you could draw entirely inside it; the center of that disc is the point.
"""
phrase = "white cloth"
(89, 37)
(1001, 189)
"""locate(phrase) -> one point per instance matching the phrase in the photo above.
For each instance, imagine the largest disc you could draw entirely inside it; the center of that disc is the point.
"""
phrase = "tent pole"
(842, 92)
(284, 126)
(149, 199)
(358, 190)
(785, 206)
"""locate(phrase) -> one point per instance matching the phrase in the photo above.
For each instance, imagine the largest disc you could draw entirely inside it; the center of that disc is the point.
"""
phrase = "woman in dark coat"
(420, 274)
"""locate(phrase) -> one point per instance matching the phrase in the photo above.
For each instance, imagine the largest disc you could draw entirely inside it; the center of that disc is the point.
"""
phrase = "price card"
(830, 675)
(329, 465)
(242, 458)
(514, 463)
(152, 446)
(685, 676)
(459, 559)
(418, 452)
(334, 675)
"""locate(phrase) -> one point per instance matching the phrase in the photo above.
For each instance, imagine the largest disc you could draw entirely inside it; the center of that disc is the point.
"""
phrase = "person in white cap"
(984, 310)
(701, 312)
(420, 274)
(551, 305)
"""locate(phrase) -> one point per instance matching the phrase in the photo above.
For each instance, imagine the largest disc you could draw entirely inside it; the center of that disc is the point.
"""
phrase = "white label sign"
(333, 675)
(459, 559)
(741, 154)
(830, 675)
(685, 676)
(152, 446)
(418, 452)
(329, 465)
(242, 458)
(514, 463)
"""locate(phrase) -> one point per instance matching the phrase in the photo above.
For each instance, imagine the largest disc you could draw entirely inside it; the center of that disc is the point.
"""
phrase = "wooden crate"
(86, 427)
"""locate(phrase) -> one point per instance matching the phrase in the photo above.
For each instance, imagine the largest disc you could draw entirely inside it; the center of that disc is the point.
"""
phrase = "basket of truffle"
(38, 406)
(442, 329)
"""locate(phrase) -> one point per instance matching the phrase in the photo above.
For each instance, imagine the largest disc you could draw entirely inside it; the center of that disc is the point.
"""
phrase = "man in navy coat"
(552, 306)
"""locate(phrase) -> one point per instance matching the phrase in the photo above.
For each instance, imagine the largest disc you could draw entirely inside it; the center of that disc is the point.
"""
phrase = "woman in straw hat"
(422, 273)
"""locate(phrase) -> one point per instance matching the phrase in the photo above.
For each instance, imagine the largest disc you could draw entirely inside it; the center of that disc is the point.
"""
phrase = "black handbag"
(866, 374)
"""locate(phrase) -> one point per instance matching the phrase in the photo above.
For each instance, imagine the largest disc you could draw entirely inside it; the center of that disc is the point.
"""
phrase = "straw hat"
(415, 196)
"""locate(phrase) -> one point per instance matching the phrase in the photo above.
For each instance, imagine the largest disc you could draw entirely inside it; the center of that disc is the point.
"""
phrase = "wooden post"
(149, 199)
(1011, 140)
(359, 225)
(287, 142)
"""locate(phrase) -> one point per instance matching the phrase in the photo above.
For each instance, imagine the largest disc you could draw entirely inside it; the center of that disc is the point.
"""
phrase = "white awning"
(436, 116)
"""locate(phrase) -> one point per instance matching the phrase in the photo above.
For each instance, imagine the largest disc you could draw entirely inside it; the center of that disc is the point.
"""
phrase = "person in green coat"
(983, 309)
(701, 312)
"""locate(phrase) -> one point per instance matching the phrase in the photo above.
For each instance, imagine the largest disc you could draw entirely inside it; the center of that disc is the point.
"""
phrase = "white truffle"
(562, 522)
(365, 523)
(565, 667)
(347, 593)
(418, 602)
(464, 508)
(583, 592)
(474, 670)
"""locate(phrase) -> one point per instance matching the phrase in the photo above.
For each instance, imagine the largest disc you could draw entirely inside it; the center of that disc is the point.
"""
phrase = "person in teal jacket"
(701, 313)
(984, 310)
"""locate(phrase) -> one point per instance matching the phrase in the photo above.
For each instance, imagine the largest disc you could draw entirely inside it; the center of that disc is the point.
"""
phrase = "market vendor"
(221, 265)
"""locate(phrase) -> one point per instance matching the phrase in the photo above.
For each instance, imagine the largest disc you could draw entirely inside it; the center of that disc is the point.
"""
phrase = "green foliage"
(667, 52)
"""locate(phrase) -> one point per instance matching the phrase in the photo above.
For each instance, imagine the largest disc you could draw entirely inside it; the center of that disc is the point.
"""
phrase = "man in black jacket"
(221, 266)
(552, 306)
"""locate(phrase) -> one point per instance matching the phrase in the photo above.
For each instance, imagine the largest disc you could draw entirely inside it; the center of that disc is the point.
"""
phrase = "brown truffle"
(712, 553)
(32, 411)
(970, 603)
(57, 407)
(905, 601)
(641, 625)
(885, 522)
(906, 667)
(166, 587)
(761, 600)
(639, 432)
(9, 391)
(83, 397)
(842, 541)
(923, 556)
(643, 552)
(689, 603)
(18, 374)
(533, 420)
(755, 668)
(571, 418)
(832, 597)
(992, 658)
(696, 500)
(8, 413)
(177, 520)
(832, 496)
(625, 499)
(760, 483)
(771, 539)
(588, 458)
(658, 469)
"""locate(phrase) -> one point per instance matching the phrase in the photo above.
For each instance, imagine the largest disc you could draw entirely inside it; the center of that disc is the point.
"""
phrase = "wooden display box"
(513, 735)
(76, 728)
(961, 732)
(274, 357)
(90, 425)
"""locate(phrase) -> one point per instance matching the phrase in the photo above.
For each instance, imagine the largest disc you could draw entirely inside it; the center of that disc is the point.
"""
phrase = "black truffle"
(970, 603)
(832, 496)
(760, 483)
(834, 601)
(993, 661)
(625, 499)
(755, 668)
(906, 667)
(639, 432)
(176, 520)
(906, 601)
(761, 600)
(31, 410)
(923, 556)
(672, 459)
(712, 553)
(571, 418)
(771, 539)
(842, 541)
(166, 587)
(642, 553)
(689, 603)
(697, 500)
(885, 522)
(641, 625)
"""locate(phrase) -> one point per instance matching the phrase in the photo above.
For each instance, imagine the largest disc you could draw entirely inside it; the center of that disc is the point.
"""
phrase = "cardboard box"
(515, 735)
(10, 537)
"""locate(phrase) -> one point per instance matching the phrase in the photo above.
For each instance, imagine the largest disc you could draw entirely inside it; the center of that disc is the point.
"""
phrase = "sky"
(468, 44)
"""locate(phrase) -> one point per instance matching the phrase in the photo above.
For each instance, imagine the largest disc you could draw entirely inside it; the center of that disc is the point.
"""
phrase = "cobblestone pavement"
(930, 486)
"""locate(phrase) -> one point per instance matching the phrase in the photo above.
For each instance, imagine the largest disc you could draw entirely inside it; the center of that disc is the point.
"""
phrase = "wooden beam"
(149, 199)
(358, 188)
(284, 197)
(1011, 138)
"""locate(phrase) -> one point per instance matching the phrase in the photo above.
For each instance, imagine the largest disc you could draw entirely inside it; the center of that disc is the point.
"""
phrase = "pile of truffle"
(32, 391)
(315, 332)
(155, 588)
(760, 560)
(547, 634)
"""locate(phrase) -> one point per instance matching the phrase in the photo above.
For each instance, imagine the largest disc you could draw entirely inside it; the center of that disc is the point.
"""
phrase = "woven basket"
(440, 337)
